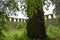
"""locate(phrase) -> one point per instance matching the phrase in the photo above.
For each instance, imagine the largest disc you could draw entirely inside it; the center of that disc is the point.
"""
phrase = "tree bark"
(36, 26)
(58, 9)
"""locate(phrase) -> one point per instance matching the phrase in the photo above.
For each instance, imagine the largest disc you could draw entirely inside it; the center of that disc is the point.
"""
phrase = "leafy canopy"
(32, 6)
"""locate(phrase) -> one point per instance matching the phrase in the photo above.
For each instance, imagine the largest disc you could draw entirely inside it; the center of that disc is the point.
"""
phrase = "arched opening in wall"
(52, 16)
(47, 16)
(19, 20)
(23, 20)
(12, 19)
(16, 20)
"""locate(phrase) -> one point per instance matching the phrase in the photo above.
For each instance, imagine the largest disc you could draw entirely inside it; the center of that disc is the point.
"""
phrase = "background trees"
(5, 5)
(35, 23)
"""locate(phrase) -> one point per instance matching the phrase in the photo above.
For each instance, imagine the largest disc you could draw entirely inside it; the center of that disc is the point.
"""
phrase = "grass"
(17, 34)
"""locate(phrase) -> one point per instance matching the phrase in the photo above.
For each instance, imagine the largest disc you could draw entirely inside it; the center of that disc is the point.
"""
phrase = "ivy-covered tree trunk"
(35, 23)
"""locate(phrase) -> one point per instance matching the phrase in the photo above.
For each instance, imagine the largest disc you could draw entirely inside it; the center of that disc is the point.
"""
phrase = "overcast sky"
(50, 8)
(46, 12)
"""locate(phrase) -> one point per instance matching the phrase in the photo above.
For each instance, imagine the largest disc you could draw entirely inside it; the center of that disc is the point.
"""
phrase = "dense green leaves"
(32, 6)
(2, 24)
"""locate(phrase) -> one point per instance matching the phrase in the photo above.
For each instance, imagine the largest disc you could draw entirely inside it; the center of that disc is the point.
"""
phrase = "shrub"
(20, 34)
(16, 35)
(22, 37)
(21, 26)
(58, 21)
(53, 31)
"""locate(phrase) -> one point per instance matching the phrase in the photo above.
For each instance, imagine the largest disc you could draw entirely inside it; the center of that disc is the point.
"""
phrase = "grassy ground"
(53, 33)
(15, 35)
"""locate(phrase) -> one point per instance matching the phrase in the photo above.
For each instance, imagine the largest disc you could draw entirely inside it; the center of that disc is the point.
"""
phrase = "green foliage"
(32, 6)
(53, 32)
(16, 35)
(23, 37)
(35, 23)
(11, 4)
(58, 21)
(2, 24)
(21, 26)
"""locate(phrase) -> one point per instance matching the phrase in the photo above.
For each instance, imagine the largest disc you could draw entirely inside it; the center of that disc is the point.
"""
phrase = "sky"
(51, 8)
(19, 13)
(46, 12)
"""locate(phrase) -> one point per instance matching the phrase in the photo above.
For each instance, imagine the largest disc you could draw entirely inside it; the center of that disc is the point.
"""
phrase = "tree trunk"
(58, 9)
(36, 26)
